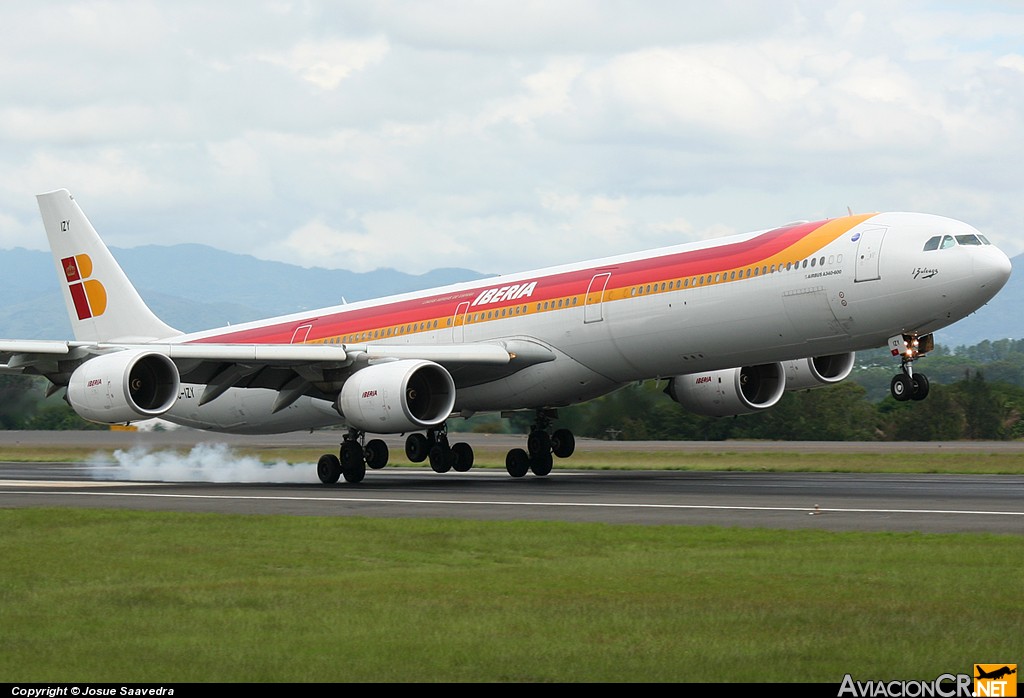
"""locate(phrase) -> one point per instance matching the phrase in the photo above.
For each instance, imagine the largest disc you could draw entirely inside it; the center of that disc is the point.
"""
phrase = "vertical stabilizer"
(102, 303)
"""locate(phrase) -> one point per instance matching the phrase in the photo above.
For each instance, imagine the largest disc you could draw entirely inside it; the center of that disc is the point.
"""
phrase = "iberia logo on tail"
(88, 294)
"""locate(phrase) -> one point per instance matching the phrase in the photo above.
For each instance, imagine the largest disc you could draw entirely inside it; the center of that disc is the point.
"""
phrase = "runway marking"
(484, 502)
(70, 483)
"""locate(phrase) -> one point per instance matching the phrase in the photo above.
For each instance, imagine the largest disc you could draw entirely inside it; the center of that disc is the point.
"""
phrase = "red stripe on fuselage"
(709, 260)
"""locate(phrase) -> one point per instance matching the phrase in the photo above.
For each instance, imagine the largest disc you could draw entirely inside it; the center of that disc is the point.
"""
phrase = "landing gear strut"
(907, 385)
(541, 445)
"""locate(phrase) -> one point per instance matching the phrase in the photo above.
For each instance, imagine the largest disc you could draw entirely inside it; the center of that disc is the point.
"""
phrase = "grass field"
(119, 596)
(123, 596)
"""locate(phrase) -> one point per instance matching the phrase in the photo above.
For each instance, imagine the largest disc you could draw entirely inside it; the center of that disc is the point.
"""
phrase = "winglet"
(102, 303)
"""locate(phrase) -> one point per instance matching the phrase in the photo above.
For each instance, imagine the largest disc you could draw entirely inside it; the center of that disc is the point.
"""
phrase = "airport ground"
(946, 487)
(734, 575)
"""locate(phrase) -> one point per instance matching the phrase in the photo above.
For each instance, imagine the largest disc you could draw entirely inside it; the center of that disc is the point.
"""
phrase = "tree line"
(977, 392)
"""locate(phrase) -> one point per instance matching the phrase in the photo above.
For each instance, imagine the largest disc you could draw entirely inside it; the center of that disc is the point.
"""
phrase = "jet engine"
(731, 391)
(123, 387)
(397, 396)
(818, 371)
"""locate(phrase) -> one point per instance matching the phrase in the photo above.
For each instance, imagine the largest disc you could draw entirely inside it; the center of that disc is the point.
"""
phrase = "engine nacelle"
(397, 396)
(729, 392)
(124, 387)
(818, 371)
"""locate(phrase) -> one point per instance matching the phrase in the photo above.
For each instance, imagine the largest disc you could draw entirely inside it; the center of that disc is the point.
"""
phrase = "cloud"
(326, 63)
(509, 135)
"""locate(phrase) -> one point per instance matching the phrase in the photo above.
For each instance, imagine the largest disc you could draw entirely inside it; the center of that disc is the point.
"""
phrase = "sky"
(504, 136)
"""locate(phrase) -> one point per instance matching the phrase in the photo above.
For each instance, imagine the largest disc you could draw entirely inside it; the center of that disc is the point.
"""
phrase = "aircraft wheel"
(376, 454)
(921, 387)
(351, 455)
(417, 448)
(462, 457)
(328, 468)
(440, 459)
(541, 464)
(563, 443)
(901, 387)
(517, 462)
(356, 473)
(538, 442)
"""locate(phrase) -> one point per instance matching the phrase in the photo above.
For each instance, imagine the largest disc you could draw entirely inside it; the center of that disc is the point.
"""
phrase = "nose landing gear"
(908, 385)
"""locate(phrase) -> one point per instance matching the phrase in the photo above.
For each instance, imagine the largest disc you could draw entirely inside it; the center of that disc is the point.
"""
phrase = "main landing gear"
(542, 446)
(443, 457)
(355, 457)
(907, 385)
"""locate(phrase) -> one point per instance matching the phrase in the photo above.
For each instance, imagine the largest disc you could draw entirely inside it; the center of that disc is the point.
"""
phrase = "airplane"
(995, 674)
(729, 324)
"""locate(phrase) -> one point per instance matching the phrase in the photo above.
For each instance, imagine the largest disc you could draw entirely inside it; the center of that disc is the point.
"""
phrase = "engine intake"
(397, 396)
(731, 391)
(124, 387)
(818, 371)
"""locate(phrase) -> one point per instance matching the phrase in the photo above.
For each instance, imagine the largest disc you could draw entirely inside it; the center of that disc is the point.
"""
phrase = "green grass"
(94, 595)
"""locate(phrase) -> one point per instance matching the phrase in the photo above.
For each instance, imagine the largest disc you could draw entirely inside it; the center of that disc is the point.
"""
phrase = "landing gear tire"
(920, 387)
(441, 458)
(538, 443)
(417, 448)
(356, 473)
(328, 468)
(353, 465)
(563, 443)
(462, 457)
(902, 387)
(376, 454)
(541, 464)
(517, 462)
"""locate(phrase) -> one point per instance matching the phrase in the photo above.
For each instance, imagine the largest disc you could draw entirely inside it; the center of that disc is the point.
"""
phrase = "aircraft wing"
(293, 370)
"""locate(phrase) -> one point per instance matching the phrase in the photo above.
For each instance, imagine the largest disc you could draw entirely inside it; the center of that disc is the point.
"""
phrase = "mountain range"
(194, 287)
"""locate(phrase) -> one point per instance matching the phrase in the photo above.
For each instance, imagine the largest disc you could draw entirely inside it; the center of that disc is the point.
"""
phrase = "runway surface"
(829, 501)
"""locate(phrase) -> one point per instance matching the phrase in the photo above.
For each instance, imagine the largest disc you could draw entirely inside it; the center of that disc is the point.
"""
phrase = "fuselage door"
(301, 333)
(593, 304)
(869, 248)
(459, 322)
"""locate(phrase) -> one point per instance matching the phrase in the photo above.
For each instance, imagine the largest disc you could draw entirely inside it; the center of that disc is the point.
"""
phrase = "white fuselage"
(809, 290)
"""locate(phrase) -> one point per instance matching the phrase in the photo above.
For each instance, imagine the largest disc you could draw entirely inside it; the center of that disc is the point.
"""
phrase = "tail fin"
(102, 303)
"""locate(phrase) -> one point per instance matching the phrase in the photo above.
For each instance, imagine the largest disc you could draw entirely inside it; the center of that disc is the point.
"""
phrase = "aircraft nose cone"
(992, 268)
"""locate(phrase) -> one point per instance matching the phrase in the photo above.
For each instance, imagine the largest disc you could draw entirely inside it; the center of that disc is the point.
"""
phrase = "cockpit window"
(944, 242)
(968, 239)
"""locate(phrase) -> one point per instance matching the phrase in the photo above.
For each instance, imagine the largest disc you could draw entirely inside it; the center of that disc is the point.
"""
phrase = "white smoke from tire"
(204, 463)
